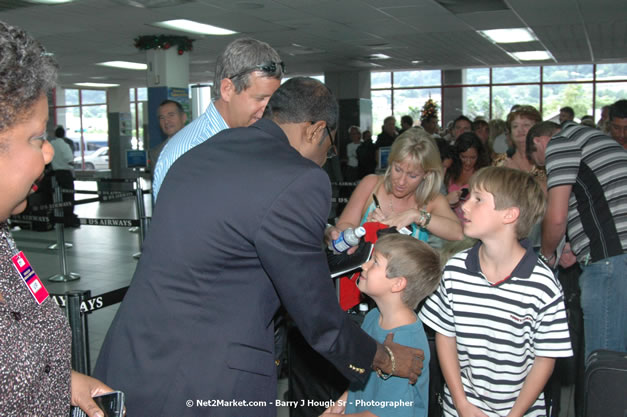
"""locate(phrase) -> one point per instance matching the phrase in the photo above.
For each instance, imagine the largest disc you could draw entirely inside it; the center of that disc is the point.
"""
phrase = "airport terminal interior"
(119, 59)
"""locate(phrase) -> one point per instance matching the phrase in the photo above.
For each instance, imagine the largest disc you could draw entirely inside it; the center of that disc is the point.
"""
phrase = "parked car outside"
(99, 159)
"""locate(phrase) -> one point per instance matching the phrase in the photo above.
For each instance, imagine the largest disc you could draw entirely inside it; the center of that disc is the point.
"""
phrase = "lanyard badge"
(30, 278)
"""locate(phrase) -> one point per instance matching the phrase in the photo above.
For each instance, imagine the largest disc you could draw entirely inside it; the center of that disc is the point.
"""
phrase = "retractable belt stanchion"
(78, 306)
(80, 336)
(57, 197)
(64, 276)
(141, 214)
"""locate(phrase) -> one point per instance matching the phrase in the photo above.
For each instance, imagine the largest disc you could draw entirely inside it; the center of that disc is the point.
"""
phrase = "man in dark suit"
(237, 232)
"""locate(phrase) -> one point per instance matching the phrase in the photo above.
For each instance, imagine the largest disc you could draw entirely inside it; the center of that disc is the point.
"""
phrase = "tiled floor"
(103, 256)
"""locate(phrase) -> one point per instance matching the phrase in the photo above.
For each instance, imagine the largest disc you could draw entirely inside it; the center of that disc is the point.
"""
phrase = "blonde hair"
(513, 188)
(419, 147)
(414, 260)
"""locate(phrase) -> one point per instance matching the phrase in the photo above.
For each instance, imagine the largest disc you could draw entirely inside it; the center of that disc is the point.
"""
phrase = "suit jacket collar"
(271, 128)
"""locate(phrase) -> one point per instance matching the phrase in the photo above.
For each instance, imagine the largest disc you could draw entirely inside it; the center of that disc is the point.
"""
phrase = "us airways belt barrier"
(58, 204)
(78, 305)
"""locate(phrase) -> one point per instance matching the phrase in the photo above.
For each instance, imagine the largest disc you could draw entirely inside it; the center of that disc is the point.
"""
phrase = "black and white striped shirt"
(596, 166)
(499, 328)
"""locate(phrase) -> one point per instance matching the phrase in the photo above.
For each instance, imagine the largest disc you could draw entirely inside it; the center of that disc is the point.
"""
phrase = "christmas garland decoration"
(429, 109)
(182, 43)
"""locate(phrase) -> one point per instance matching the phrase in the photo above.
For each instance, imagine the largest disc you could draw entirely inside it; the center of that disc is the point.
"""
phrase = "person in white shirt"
(63, 169)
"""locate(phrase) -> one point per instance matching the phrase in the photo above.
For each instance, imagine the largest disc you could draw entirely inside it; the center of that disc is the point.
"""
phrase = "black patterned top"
(35, 343)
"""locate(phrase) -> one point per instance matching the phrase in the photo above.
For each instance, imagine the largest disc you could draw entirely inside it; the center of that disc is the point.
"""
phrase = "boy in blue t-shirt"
(400, 274)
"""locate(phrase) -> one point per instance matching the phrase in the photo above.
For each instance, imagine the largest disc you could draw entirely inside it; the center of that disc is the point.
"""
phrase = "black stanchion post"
(64, 276)
(78, 324)
(57, 197)
(141, 214)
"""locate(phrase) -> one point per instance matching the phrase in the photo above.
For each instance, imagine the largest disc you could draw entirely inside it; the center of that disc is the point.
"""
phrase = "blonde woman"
(407, 195)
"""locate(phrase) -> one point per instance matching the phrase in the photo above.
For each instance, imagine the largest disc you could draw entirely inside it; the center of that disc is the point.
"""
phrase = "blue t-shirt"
(394, 396)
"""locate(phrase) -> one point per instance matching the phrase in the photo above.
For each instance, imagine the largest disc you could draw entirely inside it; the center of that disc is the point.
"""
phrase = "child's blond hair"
(416, 261)
(513, 188)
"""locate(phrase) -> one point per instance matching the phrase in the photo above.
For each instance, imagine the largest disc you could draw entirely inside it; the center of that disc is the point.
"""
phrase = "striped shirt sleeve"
(563, 157)
(437, 312)
(552, 338)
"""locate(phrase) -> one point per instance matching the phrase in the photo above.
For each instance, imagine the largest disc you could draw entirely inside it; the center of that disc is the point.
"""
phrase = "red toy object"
(350, 295)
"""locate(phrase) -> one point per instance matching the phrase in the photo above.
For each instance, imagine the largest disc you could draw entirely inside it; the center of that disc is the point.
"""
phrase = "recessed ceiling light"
(190, 26)
(509, 35)
(124, 65)
(416, 61)
(378, 56)
(96, 85)
(49, 1)
(532, 55)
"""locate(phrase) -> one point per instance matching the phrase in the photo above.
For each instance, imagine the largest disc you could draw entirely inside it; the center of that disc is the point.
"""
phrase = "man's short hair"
(541, 129)
(350, 129)
(461, 117)
(303, 99)
(178, 105)
(569, 110)
(618, 110)
(513, 188)
(242, 57)
(407, 120)
(388, 119)
(416, 261)
(59, 132)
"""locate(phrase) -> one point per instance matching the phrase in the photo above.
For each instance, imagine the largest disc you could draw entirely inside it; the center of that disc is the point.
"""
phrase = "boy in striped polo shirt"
(499, 311)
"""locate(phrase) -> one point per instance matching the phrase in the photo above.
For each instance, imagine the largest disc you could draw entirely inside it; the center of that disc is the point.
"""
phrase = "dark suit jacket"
(237, 232)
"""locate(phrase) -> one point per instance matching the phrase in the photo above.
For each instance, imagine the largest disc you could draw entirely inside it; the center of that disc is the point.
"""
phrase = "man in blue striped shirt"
(247, 73)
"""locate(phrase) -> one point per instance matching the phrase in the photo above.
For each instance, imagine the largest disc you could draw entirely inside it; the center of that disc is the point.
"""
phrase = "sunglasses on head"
(267, 67)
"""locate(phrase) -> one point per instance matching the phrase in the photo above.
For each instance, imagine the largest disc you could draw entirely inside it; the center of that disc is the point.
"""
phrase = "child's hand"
(468, 410)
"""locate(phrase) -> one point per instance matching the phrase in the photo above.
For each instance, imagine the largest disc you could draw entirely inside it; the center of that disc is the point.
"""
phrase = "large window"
(139, 101)
(402, 93)
(491, 92)
(83, 114)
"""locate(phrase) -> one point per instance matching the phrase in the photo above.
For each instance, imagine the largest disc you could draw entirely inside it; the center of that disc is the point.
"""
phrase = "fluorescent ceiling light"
(48, 1)
(185, 25)
(124, 64)
(96, 85)
(509, 35)
(378, 56)
(532, 55)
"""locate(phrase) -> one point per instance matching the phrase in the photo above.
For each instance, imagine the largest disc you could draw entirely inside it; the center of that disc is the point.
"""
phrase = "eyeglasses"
(267, 67)
(331, 152)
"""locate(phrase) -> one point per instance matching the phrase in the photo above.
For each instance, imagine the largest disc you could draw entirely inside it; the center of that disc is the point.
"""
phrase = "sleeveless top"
(416, 231)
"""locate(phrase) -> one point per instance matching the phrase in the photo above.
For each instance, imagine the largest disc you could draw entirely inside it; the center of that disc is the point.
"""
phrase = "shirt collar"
(523, 269)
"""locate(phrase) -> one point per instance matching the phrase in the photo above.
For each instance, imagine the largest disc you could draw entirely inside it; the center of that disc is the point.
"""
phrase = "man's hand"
(407, 361)
(568, 258)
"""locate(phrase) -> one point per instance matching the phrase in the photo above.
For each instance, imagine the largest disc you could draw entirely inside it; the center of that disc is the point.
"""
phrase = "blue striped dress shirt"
(195, 133)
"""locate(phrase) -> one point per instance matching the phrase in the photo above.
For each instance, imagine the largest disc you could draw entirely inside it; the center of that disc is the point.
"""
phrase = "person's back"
(366, 155)
(499, 311)
(400, 274)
